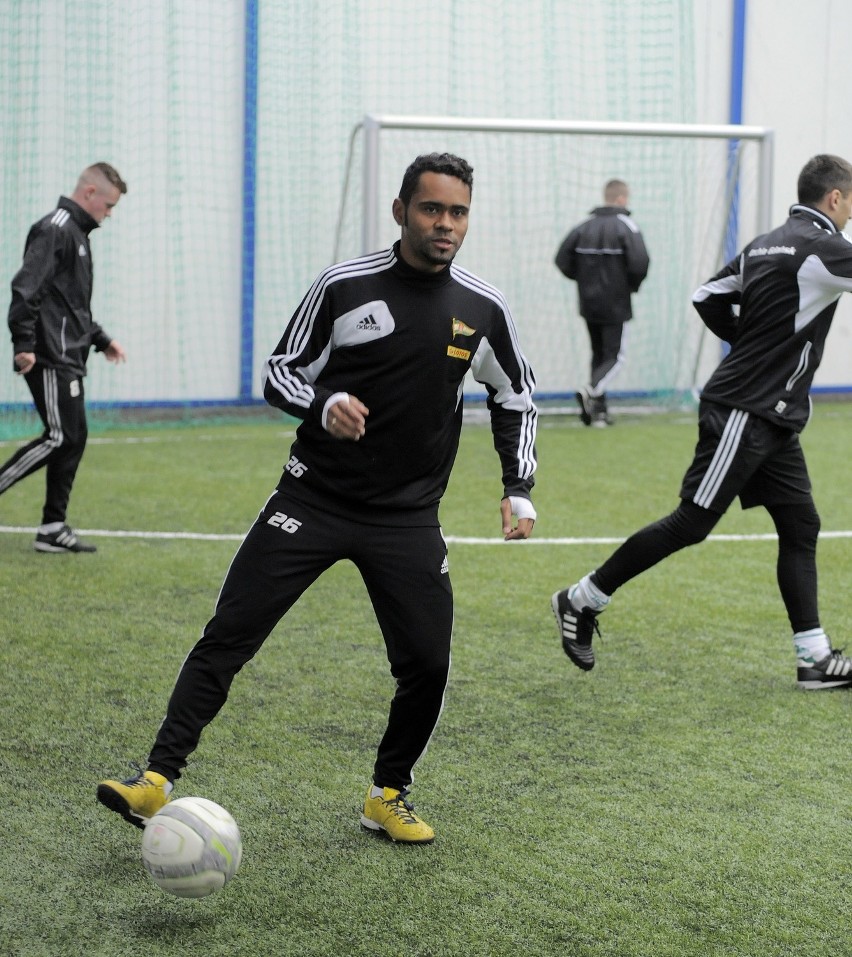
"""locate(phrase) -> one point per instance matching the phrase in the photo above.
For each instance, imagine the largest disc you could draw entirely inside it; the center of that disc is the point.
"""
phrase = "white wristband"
(522, 507)
(337, 397)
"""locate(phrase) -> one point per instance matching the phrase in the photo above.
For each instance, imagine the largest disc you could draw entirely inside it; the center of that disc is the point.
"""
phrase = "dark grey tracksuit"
(606, 256)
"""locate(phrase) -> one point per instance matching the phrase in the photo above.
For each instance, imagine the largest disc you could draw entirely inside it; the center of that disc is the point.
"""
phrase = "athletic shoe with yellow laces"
(393, 813)
(138, 798)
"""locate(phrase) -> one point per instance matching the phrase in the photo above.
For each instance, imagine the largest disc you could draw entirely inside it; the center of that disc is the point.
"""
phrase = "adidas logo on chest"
(366, 323)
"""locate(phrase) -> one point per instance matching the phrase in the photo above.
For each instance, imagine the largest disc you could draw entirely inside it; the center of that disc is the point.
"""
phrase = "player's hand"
(24, 362)
(347, 419)
(114, 352)
(524, 528)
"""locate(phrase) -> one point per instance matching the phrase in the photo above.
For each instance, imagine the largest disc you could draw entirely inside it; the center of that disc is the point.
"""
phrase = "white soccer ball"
(191, 847)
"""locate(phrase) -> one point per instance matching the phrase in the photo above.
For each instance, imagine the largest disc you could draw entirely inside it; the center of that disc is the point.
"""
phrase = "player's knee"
(812, 522)
(434, 667)
(65, 446)
(797, 523)
(690, 524)
(429, 667)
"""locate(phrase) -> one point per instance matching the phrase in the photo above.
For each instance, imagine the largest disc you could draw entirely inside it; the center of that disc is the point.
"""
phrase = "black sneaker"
(584, 400)
(575, 630)
(65, 540)
(834, 671)
(600, 413)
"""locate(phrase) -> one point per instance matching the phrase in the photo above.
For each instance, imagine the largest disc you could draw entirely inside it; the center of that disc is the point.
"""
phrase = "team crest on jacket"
(461, 329)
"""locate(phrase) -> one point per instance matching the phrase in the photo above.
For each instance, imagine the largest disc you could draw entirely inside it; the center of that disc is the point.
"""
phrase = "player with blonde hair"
(53, 331)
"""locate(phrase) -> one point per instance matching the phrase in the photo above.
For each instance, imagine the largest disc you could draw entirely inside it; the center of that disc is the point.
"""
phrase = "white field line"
(172, 438)
(450, 539)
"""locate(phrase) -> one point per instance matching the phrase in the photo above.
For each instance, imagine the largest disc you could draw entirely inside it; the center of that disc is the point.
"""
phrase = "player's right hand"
(24, 362)
(347, 419)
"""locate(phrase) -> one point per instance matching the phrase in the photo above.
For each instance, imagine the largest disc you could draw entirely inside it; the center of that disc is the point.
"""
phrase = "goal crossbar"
(373, 124)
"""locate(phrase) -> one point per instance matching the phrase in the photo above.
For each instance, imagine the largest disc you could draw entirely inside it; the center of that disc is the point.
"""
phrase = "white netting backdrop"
(158, 89)
(531, 187)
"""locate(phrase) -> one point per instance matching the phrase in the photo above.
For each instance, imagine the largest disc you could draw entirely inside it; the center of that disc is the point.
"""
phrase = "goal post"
(695, 190)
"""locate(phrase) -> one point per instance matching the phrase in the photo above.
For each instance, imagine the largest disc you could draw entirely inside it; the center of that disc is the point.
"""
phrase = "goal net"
(697, 193)
(230, 123)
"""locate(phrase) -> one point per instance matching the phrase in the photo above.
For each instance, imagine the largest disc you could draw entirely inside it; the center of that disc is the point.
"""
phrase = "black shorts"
(740, 454)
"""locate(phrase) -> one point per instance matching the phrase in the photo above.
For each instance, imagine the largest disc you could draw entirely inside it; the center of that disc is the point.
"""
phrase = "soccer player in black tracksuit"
(606, 256)
(786, 285)
(373, 362)
(52, 332)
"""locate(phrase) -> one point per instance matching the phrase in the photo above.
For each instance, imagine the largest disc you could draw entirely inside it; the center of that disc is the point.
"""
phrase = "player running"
(774, 304)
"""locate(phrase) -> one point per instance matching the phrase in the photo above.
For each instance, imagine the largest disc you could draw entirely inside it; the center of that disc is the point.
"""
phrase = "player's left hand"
(114, 352)
(509, 507)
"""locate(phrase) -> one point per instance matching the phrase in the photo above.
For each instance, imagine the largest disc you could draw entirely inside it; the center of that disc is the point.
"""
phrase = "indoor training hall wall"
(157, 88)
(796, 69)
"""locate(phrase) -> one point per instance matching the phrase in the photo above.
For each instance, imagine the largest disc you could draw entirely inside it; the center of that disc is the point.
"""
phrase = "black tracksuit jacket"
(607, 258)
(786, 285)
(402, 342)
(50, 313)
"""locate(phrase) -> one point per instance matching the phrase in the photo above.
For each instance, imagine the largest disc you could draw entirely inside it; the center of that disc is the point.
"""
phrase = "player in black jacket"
(52, 330)
(373, 361)
(774, 304)
(606, 256)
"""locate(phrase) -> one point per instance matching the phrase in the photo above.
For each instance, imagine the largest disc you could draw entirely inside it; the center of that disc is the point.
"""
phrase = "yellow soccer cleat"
(137, 798)
(393, 813)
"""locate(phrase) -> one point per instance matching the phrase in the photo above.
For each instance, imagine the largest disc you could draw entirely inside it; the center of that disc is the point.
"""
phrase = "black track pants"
(285, 551)
(60, 403)
(797, 525)
(686, 525)
(607, 340)
(798, 530)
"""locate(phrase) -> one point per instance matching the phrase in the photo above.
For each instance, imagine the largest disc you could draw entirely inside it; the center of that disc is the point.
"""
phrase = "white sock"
(50, 528)
(811, 646)
(376, 791)
(586, 595)
(168, 786)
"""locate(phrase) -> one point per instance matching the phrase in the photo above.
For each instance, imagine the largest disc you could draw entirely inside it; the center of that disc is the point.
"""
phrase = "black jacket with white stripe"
(786, 285)
(606, 255)
(401, 341)
(50, 313)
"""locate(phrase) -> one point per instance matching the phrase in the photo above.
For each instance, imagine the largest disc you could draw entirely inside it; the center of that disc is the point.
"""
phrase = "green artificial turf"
(683, 799)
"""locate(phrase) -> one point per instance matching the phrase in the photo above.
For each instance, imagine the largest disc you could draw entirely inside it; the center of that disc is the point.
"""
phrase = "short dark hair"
(445, 163)
(821, 174)
(614, 189)
(108, 172)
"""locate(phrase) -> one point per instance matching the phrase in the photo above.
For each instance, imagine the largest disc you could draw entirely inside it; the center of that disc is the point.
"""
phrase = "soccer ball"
(191, 847)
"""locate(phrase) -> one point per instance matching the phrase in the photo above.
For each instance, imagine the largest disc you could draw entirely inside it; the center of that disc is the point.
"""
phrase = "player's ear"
(399, 212)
